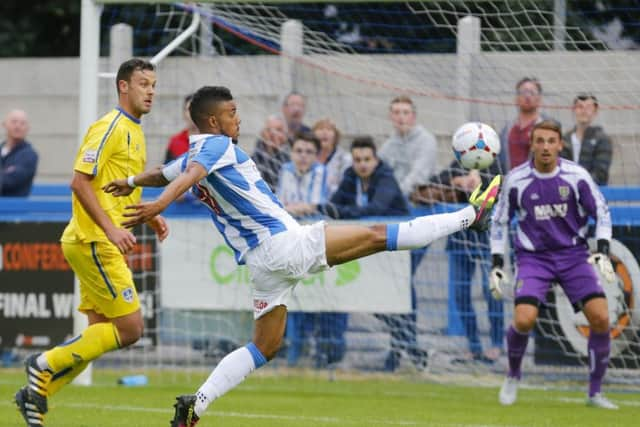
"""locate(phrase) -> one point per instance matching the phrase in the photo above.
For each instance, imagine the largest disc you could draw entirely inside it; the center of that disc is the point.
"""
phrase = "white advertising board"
(198, 271)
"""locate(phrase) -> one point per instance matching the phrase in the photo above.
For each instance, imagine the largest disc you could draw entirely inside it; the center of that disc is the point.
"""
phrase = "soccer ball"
(475, 145)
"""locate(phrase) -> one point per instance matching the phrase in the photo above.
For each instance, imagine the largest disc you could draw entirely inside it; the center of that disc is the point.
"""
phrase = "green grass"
(308, 401)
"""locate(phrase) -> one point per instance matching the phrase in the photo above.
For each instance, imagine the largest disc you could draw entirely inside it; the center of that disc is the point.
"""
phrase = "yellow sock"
(94, 341)
(63, 378)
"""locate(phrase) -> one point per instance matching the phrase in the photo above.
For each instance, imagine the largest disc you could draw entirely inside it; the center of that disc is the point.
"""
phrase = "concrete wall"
(353, 90)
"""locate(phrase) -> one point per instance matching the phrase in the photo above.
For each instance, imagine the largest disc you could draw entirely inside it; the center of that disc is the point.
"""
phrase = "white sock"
(230, 372)
(421, 231)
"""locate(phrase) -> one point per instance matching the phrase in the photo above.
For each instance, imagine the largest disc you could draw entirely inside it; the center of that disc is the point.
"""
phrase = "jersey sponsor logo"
(548, 211)
(127, 295)
(564, 192)
(90, 156)
(205, 197)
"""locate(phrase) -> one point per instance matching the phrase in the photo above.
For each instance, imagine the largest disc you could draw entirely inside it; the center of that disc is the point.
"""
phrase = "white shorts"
(277, 265)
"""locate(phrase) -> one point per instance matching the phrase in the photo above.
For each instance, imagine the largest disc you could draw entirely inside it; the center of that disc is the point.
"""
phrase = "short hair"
(285, 100)
(204, 102)
(128, 67)
(308, 137)
(187, 99)
(533, 80)
(403, 99)
(364, 141)
(584, 96)
(326, 122)
(553, 125)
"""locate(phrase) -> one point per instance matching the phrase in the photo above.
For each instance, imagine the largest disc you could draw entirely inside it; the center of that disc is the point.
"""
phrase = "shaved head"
(16, 123)
(16, 114)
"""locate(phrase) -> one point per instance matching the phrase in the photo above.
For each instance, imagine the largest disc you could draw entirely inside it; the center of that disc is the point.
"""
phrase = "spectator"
(301, 187)
(411, 151)
(331, 155)
(588, 145)
(293, 109)
(301, 183)
(514, 137)
(179, 143)
(18, 159)
(467, 250)
(368, 187)
(272, 150)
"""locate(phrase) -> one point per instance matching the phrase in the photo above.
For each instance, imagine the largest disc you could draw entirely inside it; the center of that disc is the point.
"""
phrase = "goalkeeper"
(552, 199)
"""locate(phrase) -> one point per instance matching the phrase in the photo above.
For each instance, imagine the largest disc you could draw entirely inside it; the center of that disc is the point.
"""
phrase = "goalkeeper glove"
(497, 277)
(601, 261)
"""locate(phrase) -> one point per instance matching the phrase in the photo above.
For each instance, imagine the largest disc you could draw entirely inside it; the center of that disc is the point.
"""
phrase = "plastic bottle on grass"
(133, 380)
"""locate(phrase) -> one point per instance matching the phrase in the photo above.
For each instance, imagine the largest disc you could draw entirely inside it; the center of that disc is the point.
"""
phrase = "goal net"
(458, 61)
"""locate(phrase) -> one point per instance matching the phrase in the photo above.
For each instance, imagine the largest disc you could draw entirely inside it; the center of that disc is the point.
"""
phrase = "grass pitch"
(269, 400)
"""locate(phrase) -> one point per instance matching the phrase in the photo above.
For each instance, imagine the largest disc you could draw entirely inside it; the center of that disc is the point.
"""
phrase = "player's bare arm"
(150, 178)
(81, 187)
(143, 212)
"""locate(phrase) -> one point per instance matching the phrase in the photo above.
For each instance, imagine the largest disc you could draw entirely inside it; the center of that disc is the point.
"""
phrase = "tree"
(42, 28)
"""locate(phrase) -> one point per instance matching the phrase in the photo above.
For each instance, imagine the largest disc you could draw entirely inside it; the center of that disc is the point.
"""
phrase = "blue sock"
(258, 357)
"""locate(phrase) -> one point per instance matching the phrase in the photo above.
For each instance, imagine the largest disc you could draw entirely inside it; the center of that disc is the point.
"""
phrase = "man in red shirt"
(179, 143)
(514, 137)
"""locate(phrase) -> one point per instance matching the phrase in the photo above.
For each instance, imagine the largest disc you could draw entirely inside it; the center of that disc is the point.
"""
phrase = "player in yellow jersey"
(95, 244)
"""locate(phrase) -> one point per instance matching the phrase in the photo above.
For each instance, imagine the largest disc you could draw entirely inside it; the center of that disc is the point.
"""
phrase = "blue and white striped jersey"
(244, 209)
(308, 187)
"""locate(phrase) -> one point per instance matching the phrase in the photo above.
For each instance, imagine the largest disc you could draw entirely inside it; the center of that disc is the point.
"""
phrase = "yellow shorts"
(106, 283)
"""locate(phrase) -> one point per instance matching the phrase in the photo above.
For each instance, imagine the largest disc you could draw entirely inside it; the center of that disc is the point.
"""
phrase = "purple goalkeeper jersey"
(552, 209)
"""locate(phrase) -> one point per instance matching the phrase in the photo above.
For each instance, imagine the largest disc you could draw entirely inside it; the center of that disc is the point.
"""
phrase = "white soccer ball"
(475, 145)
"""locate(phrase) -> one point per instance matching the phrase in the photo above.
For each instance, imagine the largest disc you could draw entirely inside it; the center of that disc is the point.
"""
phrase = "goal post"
(458, 61)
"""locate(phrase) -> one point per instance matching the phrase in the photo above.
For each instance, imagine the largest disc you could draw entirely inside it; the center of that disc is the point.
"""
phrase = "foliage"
(39, 29)
(52, 27)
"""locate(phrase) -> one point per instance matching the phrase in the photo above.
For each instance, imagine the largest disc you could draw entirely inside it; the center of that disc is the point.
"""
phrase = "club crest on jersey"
(127, 295)
(563, 190)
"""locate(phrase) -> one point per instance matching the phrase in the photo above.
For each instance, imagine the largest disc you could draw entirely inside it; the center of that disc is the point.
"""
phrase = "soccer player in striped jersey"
(277, 250)
(94, 243)
(552, 199)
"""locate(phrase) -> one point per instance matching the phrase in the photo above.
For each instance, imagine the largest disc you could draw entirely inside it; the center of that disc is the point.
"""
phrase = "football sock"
(599, 345)
(97, 339)
(516, 346)
(230, 372)
(64, 377)
(421, 231)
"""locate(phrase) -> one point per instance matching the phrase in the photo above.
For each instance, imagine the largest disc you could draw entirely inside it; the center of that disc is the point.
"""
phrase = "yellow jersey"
(114, 147)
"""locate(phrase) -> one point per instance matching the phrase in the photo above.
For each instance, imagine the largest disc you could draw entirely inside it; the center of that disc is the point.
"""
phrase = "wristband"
(130, 182)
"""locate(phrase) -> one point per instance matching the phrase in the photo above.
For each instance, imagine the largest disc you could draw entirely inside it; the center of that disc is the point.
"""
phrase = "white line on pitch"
(618, 401)
(323, 420)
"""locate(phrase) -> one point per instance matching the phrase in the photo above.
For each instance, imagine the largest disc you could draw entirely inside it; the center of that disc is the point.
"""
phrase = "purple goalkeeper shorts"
(567, 267)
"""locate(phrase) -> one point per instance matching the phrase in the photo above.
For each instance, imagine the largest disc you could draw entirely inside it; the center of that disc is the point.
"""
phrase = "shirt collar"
(127, 115)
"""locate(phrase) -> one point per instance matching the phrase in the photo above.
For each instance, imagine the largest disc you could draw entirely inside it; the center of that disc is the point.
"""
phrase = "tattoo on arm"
(151, 178)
